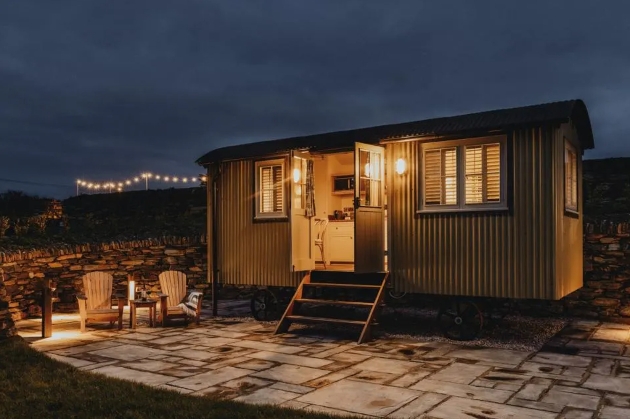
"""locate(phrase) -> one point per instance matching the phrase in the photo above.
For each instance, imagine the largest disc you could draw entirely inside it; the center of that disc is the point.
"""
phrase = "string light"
(144, 177)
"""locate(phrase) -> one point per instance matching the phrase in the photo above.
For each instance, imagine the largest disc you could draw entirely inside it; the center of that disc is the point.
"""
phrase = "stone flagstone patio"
(583, 372)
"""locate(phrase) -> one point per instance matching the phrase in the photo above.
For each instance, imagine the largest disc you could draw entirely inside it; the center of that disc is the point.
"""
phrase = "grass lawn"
(35, 386)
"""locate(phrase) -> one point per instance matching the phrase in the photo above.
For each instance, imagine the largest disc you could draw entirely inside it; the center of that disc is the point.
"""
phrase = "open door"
(302, 211)
(369, 208)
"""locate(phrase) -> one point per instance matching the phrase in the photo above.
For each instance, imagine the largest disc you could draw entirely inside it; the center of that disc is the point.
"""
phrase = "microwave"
(343, 185)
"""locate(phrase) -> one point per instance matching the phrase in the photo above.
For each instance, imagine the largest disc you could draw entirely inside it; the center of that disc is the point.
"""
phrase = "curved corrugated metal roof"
(501, 119)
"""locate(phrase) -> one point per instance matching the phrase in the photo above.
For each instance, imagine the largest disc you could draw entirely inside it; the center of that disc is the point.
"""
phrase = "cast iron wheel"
(397, 295)
(460, 320)
(264, 305)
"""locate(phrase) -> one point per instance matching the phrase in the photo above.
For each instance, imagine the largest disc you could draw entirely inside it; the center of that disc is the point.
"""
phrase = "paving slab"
(195, 354)
(561, 359)
(611, 412)
(409, 379)
(460, 373)
(577, 414)
(293, 388)
(459, 408)
(391, 366)
(563, 398)
(86, 348)
(422, 404)
(614, 384)
(271, 347)
(129, 352)
(612, 335)
(150, 365)
(358, 397)
(267, 396)
(290, 359)
(332, 377)
(374, 377)
(463, 390)
(210, 378)
(292, 374)
(143, 377)
(75, 362)
(503, 356)
(247, 383)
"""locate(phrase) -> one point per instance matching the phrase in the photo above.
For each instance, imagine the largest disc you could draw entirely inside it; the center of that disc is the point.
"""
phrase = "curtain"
(310, 189)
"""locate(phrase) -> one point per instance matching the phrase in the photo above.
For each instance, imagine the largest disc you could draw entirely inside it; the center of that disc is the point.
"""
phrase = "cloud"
(106, 89)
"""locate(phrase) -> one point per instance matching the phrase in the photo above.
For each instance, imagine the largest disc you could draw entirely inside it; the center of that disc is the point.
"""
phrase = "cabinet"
(340, 241)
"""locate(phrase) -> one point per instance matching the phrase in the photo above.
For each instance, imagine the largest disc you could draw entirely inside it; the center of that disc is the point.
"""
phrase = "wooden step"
(334, 302)
(346, 280)
(307, 319)
(331, 285)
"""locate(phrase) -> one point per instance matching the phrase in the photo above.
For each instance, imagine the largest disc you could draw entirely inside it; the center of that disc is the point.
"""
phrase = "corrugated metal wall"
(477, 254)
(569, 237)
(249, 253)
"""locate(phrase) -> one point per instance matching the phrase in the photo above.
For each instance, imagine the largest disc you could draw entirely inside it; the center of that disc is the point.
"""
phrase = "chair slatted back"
(173, 284)
(97, 287)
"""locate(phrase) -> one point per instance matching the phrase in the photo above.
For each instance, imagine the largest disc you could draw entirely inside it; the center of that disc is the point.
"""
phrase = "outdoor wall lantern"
(401, 166)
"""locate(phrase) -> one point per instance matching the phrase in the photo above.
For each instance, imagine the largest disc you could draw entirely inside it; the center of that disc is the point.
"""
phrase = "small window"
(464, 175)
(270, 189)
(483, 173)
(570, 178)
(440, 177)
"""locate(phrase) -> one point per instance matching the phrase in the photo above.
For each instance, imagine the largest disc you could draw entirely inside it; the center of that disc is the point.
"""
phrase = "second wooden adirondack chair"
(96, 303)
(176, 302)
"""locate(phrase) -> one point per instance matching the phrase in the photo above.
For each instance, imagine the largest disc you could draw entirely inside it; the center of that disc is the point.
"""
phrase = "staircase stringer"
(366, 333)
(284, 323)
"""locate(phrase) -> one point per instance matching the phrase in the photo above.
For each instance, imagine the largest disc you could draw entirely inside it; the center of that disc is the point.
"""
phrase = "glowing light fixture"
(127, 182)
(166, 178)
(136, 179)
(157, 177)
(401, 166)
(175, 179)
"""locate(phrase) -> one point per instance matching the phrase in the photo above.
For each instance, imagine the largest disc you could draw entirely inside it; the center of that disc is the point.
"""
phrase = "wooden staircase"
(334, 292)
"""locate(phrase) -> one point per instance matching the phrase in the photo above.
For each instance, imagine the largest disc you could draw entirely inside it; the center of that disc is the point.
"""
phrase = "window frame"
(570, 148)
(460, 146)
(277, 215)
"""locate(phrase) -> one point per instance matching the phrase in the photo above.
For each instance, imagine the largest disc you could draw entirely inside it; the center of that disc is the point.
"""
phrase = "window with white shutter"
(270, 189)
(464, 175)
(570, 178)
(483, 173)
(440, 177)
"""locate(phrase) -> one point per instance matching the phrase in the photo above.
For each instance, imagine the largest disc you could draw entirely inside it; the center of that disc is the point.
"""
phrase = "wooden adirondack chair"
(96, 302)
(173, 285)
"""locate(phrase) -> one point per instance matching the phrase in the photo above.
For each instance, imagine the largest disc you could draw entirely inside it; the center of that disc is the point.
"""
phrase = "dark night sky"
(101, 90)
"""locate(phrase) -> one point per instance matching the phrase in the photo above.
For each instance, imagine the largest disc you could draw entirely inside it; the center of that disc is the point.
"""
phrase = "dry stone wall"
(23, 271)
(606, 291)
